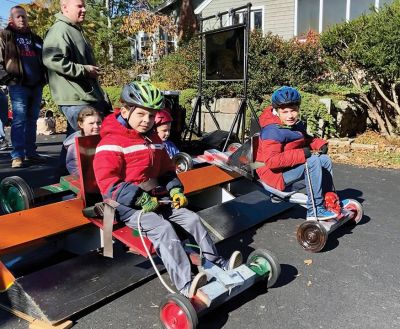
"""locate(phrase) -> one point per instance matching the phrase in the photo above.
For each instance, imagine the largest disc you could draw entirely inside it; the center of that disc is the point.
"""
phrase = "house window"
(359, 7)
(256, 18)
(333, 12)
(307, 16)
(319, 15)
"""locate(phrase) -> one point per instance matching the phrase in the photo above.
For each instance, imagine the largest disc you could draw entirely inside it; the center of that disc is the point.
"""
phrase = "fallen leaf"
(308, 261)
(309, 283)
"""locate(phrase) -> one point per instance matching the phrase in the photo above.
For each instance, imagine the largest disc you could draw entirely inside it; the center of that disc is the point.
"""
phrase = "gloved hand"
(307, 152)
(147, 202)
(178, 198)
(323, 149)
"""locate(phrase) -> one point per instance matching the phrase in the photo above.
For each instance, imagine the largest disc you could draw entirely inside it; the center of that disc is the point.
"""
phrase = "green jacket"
(65, 52)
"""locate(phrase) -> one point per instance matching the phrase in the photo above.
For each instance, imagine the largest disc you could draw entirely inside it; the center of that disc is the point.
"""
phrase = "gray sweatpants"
(158, 228)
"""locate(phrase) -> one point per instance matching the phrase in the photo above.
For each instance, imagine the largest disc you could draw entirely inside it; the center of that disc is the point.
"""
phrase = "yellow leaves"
(308, 262)
(148, 22)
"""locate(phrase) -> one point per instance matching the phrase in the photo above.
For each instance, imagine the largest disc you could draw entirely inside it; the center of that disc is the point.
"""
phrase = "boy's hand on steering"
(147, 202)
(178, 198)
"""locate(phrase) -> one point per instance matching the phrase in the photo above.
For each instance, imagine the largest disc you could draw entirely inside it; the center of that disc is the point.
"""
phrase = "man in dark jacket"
(21, 68)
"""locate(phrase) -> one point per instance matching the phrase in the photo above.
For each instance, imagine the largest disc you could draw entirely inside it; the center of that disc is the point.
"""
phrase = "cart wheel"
(15, 195)
(176, 312)
(312, 236)
(183, 162)
(233, 147)
(356, 208)
(265, 264)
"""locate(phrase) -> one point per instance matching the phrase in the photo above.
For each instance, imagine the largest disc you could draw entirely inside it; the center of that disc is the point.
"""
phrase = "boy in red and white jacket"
(285, 149)
(133, 168)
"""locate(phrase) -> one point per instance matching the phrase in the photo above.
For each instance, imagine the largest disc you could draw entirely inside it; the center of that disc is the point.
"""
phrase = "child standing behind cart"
(132, 167)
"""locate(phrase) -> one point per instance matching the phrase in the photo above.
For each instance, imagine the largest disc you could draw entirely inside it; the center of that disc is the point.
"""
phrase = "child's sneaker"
(234, 261)
(322, 214)
(190, 289)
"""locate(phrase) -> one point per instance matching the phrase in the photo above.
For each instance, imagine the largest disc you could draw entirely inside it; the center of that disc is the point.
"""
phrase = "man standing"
(69, 59)
(22, 70)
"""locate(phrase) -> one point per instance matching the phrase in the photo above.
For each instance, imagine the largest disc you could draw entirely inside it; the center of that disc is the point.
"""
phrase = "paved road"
(353, 283)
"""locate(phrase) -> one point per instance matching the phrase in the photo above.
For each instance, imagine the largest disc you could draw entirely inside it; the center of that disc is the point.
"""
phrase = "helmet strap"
(131, 109)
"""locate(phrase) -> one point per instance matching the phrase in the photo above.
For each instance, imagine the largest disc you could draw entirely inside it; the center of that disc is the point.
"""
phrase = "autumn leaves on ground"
(367, 150)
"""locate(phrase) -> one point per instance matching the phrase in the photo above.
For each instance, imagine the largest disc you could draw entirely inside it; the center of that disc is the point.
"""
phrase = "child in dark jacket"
(285, 148)
(130, 165)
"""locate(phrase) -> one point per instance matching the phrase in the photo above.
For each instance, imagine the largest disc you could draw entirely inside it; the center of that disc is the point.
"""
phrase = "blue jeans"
(320, 170)
(3, 113)
(25, 103)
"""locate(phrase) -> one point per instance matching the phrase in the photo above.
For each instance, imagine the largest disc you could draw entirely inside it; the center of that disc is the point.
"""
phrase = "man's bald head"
(75, 10)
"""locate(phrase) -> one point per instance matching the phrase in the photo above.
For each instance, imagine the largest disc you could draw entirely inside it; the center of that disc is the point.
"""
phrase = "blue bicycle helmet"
(285, 96)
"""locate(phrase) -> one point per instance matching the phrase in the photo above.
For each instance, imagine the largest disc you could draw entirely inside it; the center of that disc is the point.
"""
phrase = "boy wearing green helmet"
(133, 168)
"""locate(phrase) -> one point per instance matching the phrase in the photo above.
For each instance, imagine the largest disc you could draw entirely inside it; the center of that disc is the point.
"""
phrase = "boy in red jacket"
(285, 148)
(133, 168)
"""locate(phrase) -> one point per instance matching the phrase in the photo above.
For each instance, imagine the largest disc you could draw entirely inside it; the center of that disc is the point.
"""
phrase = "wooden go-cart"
(51, 256)
(312, 235)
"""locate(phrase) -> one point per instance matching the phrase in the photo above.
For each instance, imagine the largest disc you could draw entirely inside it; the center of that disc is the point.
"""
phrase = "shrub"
(114, 94)
(50, 105)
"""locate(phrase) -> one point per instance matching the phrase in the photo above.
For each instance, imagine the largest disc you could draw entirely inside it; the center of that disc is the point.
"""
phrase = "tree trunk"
(372, 109)
(187, 24)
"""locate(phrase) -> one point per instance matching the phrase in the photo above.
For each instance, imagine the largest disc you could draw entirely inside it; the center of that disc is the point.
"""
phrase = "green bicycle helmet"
(142, 94)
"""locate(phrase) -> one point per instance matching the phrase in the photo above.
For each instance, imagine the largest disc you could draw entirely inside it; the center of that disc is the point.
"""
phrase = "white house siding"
(278, 14)
(279, 17)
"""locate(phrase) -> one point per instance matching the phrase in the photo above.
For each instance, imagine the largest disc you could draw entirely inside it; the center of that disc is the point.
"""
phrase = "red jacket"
(125, 158)
(281, 147)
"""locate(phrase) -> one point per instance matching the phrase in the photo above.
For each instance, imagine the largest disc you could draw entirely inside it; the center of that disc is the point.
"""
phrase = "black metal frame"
(240, 116)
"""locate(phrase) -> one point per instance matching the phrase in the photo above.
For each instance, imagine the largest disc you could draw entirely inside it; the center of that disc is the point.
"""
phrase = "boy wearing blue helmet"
(285, 148)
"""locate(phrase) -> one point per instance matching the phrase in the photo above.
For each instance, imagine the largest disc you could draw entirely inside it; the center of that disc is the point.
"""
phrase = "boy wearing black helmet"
(133, 168)
(285, 148)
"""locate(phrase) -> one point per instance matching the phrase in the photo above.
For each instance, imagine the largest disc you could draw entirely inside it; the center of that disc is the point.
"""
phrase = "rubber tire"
(184, 159)
(312, 227)
(353, 204)
(24, 190)
(185, 306)
(272, 260)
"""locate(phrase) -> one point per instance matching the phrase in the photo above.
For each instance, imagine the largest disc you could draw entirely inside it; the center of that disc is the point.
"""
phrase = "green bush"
(50, 105)
(114, 94)
(179, 69)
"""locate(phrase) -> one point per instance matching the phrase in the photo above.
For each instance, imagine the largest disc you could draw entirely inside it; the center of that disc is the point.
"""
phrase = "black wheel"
(356, 208)
(176, 312)
(233, 147)
(183, 162)
(15, 195)
(312, 236)
(265, 264)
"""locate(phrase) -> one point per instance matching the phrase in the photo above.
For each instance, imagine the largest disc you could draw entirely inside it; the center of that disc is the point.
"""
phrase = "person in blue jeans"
(290, 154)
(3, 119)
(21, 68)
